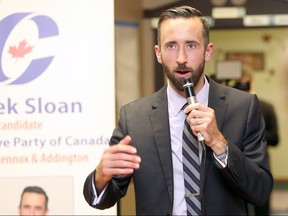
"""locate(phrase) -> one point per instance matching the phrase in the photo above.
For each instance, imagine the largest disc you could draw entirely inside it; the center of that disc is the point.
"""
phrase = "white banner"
(57, 99)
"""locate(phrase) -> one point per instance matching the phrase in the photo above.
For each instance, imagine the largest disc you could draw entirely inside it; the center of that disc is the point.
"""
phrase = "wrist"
(222, 155)
(220, 146)
(100, 181)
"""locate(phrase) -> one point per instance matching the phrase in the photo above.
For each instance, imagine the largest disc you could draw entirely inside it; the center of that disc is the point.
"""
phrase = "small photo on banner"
(40, 191)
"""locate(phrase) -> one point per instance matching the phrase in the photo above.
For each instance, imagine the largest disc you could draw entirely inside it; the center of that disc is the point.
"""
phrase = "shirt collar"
(177, 101)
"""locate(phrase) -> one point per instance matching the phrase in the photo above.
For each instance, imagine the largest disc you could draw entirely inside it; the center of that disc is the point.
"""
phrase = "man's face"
(33, 204)
(182, 52)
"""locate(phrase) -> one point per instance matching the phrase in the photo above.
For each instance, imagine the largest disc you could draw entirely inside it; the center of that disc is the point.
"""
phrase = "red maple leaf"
(21, 50)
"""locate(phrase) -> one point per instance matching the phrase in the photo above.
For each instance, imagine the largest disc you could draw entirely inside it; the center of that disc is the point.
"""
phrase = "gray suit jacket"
(247, 176)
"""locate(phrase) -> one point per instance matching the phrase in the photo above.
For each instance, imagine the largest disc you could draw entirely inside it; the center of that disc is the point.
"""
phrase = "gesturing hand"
(119, 159)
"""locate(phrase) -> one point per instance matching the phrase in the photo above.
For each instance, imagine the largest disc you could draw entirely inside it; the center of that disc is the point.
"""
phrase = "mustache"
(182, 67)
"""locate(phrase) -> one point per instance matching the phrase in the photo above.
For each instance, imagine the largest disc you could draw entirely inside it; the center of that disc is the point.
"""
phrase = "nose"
(182, 56)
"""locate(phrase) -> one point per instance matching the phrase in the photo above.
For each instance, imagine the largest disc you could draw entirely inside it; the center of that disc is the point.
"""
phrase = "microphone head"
(187, 82)
(188, 87)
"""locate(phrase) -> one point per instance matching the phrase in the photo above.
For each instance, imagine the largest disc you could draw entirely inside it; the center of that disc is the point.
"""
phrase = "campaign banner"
(57, 99)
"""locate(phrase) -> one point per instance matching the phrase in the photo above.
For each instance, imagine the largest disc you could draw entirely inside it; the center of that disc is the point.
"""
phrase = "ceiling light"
(266, 20)
(228, 12)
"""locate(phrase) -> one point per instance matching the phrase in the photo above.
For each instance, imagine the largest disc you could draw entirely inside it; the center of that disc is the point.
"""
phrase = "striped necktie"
(191, 168)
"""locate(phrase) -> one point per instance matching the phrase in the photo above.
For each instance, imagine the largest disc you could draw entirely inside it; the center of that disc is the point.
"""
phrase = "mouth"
(183, 73)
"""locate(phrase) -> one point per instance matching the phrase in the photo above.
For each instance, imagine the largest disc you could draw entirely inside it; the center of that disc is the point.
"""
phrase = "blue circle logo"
(46, 27)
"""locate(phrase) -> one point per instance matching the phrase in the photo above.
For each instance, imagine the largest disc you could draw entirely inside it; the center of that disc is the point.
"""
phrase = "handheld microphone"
(191, 99)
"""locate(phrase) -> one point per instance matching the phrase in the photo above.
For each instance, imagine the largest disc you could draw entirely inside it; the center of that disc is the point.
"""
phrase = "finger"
(118, 171)
(197, 121)
(194, 121)
(123, 146)
(126, 140)
(132, 163)
(189, 108)
(123, 165)
(129, 158)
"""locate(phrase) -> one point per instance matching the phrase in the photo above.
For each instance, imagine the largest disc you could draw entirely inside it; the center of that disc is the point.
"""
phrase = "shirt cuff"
(97, 198)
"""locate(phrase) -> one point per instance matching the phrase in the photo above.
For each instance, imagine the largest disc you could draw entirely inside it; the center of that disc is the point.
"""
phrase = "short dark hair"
(35, 189)
(184, 12)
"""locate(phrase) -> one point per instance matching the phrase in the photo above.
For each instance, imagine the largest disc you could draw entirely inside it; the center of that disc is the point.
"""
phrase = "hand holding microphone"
(213, 137)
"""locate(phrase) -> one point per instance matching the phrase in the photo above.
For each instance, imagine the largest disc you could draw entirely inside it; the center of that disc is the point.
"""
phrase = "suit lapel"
(217, 102)
(160, 126)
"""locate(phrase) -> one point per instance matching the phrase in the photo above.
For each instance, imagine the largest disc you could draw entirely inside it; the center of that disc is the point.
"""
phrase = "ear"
(158, 53)
(209, 51)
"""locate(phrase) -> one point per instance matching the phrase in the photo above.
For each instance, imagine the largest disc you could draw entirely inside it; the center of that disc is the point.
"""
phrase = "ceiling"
(152, 4)
(273, 12)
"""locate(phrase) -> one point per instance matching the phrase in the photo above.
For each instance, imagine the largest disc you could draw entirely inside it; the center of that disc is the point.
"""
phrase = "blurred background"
(250, 38)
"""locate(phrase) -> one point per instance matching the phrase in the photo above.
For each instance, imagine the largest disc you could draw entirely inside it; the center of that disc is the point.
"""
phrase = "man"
(147, 143)
(34, 201)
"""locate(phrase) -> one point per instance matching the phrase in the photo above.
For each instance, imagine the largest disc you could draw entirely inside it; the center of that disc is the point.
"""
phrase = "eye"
(171, 46)
(39, 208)
(191, 45)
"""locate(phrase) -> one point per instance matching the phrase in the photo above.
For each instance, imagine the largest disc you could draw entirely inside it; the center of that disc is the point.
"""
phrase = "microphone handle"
(192, 100)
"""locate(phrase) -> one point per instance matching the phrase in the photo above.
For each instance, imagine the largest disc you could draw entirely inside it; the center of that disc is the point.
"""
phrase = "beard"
(178, 81)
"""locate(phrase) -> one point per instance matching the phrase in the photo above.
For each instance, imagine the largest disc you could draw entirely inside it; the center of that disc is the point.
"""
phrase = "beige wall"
(129, 10)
